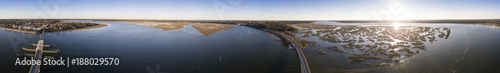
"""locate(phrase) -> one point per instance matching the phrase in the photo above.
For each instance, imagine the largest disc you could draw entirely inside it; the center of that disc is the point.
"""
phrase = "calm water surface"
(467, 49)
(141, 49)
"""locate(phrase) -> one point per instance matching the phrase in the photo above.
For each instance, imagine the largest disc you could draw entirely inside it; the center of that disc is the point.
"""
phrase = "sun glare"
(395, 42)
(396, 25)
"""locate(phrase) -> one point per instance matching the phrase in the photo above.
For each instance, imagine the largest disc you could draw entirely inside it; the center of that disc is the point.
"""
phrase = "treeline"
(424, 21)
(282, 26)
(32, 23)
(67, 25)
(52, 25)
(158, 21)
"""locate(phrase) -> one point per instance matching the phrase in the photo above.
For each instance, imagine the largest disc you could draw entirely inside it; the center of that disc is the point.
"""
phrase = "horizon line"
(239, 19)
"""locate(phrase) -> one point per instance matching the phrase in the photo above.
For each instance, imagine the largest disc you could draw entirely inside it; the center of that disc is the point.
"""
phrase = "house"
(14, 26)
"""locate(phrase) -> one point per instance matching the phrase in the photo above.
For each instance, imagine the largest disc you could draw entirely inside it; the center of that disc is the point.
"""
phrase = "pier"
(39, 51)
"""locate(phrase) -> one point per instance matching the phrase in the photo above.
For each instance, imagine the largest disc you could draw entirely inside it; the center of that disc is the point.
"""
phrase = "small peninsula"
(36, 26)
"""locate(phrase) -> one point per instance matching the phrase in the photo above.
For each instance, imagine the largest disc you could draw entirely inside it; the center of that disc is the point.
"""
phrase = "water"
(468, 49)
(142, 49)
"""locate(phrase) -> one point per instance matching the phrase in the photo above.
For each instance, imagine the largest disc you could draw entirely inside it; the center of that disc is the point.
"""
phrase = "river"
(142, 49)
(463, 48)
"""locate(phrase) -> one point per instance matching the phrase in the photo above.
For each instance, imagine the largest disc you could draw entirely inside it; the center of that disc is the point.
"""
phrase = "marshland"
(241, 46)
(399, 46)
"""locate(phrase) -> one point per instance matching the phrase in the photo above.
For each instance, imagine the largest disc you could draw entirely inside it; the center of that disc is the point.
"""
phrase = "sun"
(396, 25)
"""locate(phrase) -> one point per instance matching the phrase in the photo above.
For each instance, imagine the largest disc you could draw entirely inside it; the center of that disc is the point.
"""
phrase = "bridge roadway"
(38, 54)
(303, 62)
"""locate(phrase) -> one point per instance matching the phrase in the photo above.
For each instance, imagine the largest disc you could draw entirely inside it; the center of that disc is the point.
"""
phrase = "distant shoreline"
(76, 29)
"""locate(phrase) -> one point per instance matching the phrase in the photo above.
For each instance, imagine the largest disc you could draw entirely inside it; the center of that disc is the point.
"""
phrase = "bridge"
(38, 54)
(39, 51)
(303, 62)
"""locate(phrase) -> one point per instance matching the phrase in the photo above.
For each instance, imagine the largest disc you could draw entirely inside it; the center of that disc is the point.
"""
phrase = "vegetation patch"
(164, 25)
(36, 25)
(335, 48)
(384, 64)
(208, 29)
(373, 42)
(323, 53)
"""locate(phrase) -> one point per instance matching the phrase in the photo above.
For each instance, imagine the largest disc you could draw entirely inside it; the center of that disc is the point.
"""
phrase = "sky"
(251, 9)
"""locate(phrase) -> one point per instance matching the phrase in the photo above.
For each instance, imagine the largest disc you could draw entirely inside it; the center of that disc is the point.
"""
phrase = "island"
(50, 25)
(209, 28)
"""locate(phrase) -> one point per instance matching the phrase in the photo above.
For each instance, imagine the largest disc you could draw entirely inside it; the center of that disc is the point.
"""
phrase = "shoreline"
(84, 28)
(18, 30)
(160, 25)
(76, 29)
(210, 28)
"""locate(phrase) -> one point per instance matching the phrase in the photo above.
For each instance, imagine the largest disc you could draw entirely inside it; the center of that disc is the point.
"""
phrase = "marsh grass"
(209, 28)
(374, 42)
(384, 64)
(323, 53)
(161, 25)
(169, 26)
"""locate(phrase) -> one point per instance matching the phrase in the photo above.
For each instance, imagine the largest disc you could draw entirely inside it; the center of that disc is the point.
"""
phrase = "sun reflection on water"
(395, 41)
(391, 43)
(396, 25)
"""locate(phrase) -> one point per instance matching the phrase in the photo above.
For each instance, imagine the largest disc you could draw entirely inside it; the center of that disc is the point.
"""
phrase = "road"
(303, 62)
(38, 54)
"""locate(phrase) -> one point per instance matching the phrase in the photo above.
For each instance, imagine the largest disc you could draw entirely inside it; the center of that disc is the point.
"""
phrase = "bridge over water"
(303, 62)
